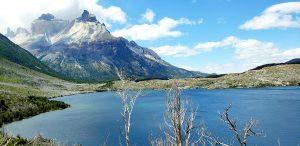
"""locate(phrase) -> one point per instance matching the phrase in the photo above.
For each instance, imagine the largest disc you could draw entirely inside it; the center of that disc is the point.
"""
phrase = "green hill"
(22, 81)
(16, 54)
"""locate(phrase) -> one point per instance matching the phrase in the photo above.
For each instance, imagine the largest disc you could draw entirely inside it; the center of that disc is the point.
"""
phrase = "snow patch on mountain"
(79, 31)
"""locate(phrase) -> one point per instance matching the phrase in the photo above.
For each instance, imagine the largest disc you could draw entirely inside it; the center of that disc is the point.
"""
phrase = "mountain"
(85, 50)
(16, 54)
(293, 61)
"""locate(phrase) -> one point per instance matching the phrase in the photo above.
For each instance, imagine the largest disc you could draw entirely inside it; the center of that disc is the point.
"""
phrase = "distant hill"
(269, 76)
(293, 61)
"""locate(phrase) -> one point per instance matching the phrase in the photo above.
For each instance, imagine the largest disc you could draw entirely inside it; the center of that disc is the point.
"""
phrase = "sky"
(213, 36)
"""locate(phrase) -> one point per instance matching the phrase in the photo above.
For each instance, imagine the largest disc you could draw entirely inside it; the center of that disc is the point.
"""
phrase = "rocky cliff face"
(85, 50)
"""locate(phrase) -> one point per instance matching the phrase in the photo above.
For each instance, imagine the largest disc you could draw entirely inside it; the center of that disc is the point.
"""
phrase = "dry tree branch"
(207, 137)
(179, 119)
(241, 136)
(128, 99)
(250, 128)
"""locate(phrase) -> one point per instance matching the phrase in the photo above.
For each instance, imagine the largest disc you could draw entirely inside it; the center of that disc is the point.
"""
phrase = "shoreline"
(161, 89)
(277, 87)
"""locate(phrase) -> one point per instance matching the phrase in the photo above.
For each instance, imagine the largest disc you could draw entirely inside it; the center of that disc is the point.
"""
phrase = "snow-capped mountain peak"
(85, 50)
(83, 29)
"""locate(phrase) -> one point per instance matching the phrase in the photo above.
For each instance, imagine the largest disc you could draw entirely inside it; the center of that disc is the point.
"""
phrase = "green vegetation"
(14, 108)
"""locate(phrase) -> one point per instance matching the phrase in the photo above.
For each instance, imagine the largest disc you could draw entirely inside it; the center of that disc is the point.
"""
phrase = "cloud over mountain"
(166, 27)
(16, 13)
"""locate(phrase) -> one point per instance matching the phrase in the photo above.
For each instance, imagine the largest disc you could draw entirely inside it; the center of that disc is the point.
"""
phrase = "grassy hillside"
(24, 92)
(16, 54)
(22, 81)
(280, 75)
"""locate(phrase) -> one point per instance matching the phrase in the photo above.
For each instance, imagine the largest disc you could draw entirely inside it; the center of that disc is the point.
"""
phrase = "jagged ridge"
(85, 50)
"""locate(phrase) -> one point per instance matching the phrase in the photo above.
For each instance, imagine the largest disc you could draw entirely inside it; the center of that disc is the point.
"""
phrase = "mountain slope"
(21, 81)
(14, 53)
(24, 92)
(85, 50)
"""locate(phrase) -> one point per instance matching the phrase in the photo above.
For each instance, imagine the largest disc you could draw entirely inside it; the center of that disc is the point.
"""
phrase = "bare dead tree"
(241, 136)
(128, 98)
(181, 125)
(179, 120)
(208, 137)
(250, 128)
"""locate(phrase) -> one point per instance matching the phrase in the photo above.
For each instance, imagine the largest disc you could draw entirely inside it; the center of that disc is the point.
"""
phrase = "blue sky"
(202, 35)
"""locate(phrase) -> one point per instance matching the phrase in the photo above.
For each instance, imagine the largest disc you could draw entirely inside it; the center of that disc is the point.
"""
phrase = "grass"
(282, 75)
(23, 81)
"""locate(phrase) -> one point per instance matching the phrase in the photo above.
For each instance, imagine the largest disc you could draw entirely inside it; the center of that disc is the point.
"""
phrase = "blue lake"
(95, 117)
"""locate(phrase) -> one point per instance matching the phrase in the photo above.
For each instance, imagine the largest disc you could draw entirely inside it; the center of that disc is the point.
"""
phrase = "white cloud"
(214, 68)
(200, 21)
(208, 46)
(284, 15)
(148, 15)
(20, 13)
(252, 52)
(175, 51)
(249, 52)
(162, 29)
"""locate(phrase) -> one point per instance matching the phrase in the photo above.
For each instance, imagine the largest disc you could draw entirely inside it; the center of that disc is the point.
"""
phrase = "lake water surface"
(95, 117)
